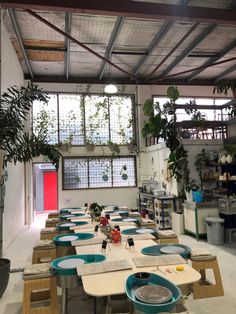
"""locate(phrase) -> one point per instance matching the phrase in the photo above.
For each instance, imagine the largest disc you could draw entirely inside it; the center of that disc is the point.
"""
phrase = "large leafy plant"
(162, 123)
(16, 145)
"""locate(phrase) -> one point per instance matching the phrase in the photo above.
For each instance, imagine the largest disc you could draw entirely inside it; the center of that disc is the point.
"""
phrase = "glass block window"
(96, 119)
(82, 119)
(98, 172)
(45, 119)
(121, 119)
(71, 119)
(75, 173)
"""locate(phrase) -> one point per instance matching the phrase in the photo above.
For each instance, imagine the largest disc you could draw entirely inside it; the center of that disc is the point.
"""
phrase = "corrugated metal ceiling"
(136, 39)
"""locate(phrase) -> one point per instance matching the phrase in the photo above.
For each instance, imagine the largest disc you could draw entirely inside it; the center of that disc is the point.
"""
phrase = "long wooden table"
(113, 283)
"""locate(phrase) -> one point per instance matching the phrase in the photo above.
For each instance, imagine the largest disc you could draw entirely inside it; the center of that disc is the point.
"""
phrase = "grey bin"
(215, 230)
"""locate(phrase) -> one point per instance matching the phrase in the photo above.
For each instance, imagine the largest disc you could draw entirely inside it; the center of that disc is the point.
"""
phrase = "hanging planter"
(124, 176)
(105, 177)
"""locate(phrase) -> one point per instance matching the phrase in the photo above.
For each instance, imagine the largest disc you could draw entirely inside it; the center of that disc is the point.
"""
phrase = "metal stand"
(64, 300)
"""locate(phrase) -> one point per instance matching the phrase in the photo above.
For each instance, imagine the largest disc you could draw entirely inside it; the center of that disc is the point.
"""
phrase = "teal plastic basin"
(64, 217)
(123, 213)
(155, 250)
(67, 225)
(68, 209)
(131, 285)
(135, 231)
(65, 239)
(88, 258)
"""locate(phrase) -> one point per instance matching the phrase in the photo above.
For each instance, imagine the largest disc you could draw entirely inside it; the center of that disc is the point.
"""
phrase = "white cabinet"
(195, 214)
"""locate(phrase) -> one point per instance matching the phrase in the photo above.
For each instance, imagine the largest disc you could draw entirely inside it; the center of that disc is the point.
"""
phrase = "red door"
(50, 190)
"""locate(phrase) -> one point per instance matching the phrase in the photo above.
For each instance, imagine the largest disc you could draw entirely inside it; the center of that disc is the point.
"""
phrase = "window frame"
(99, 157)
(84, 94)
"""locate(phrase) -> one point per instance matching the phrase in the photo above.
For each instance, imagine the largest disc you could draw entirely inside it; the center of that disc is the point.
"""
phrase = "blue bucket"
(198, 196)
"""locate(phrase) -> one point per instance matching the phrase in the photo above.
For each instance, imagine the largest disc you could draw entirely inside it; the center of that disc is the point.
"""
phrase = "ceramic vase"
(229, 159)
(223, 159)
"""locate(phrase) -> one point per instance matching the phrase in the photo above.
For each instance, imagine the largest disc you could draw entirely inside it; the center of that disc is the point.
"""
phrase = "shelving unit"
(227, 184)
(146, 202)
(163, 206)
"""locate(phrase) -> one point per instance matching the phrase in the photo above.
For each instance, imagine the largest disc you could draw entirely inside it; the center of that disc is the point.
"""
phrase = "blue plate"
(157, 250)
(132, 285)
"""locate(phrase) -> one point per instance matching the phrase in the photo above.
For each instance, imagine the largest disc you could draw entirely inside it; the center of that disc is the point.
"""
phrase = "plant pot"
(89, 147)
(4, 274)
(229, 159)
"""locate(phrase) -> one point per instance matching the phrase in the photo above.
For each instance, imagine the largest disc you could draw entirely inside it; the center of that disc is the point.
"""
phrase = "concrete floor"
(20, 252)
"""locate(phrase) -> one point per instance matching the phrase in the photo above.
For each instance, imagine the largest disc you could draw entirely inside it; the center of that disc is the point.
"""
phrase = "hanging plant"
(105, 177)
(123, 173)
(77, 179)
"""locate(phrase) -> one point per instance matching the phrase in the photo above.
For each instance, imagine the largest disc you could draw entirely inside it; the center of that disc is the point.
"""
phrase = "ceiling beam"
(77, 42)
(68, 18)
(114, 35)
(133, 9)
(20, 40)
(156, 40)
(124, 81)
(156, 80)
(189, 49)
(226, 72)
(179, 43)
(223, 52)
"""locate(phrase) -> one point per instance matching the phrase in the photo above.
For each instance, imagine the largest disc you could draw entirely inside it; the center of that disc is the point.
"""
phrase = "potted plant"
(229, 155)
(191, 187)
(223, 86)
(95, 211)
(201, 162)
(16, 145)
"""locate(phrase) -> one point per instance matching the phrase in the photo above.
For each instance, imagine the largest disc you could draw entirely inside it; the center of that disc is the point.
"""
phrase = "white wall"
(13, 219)
(151, 160)
(119, 196)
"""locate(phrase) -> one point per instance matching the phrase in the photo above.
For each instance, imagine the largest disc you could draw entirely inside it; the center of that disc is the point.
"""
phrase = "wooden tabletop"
(114, 282)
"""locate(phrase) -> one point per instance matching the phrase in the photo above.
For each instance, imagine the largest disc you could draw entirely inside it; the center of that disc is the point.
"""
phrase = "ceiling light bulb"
(110, 89)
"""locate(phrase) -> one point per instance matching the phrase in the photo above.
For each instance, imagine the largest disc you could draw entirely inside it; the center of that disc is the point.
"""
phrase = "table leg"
(94, 305)
(64, 301)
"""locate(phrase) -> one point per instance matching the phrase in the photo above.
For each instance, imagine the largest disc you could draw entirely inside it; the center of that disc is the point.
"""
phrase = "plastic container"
(198, 196)
(215, 230)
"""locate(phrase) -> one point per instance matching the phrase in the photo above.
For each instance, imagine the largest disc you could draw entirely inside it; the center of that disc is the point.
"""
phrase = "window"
(98, 172)
(85, 119)
(209, 114)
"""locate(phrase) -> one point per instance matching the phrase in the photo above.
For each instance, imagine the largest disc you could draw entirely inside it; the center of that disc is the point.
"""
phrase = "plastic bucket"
(198, 196)
(215, 230)
(4, 274)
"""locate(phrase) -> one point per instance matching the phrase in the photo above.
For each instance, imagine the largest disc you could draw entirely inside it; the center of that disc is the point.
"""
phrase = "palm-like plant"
(16, 145)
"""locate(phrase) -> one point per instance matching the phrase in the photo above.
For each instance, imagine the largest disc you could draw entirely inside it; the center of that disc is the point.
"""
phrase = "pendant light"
(110, 88)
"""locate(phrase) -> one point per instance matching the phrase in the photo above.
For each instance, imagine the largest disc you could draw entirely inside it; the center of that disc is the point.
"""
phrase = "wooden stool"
(43, 255)
(40, 290)
(48, 233)
(52, 222)
(168, 240)
(53, 215)
(203, 288)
